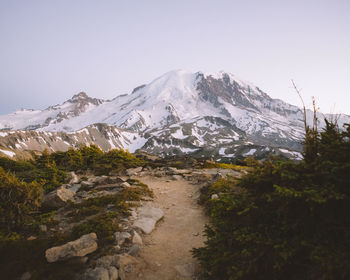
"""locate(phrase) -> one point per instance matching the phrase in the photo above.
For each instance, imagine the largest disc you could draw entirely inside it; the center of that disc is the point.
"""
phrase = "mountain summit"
(179, 112)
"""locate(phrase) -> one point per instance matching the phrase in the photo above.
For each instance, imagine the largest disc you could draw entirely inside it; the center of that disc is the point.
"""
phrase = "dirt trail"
(166, 251)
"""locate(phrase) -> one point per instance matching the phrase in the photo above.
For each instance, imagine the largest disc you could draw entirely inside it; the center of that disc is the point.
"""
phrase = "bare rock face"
(86, 244)
(58, 197)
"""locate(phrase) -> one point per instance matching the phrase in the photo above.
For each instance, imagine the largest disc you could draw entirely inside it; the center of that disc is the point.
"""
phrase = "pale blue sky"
(50, 50)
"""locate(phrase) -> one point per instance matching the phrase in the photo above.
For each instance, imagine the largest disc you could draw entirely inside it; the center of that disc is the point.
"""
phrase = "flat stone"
(150, 212)
(86, 244)
(147, 225)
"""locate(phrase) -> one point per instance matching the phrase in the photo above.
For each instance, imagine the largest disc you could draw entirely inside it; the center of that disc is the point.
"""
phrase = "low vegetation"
(284, 220)
(22, 186)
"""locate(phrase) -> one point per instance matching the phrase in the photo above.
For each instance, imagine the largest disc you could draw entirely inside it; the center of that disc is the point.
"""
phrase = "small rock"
(120, 237)
(86, 244)
(134, 250)
(113, 273)
(98, 273)
(31, 237)
(133, 171)
(214, 196)
(74, 178)
(176, 177)
(136, 238)
(107, 261)
(125, 185)
(116, 249)
(115, 180)
(87, 184)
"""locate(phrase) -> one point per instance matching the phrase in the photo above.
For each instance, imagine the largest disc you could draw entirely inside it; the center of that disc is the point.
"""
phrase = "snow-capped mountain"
(181, 112)
(53, 115)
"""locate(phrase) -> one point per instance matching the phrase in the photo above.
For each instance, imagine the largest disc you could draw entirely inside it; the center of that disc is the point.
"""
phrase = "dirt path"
(166, 251)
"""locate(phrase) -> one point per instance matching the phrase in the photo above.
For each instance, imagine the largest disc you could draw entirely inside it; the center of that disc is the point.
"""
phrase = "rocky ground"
(153, 242)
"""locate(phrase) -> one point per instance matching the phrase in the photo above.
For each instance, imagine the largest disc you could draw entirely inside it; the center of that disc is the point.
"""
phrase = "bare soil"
(166, 253)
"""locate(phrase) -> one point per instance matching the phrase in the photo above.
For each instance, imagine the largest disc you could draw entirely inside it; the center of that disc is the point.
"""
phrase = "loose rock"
(98, 273)
(58, 197)
(86, 244)
(133, 171)
(136, 238)
(120, 237)
(134, 250)
(147, 218)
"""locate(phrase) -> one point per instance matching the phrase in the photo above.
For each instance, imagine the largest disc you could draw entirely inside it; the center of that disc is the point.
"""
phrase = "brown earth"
(166, 253)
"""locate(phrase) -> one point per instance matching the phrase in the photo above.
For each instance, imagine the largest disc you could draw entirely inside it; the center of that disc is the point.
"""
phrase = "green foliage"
(288, 220)
(19, 256)
(93, 158)
(17, 200)
(104, 225)
(213, 164)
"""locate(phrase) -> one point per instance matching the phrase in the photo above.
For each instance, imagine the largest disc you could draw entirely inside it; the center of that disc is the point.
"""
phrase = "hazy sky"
(50, 50)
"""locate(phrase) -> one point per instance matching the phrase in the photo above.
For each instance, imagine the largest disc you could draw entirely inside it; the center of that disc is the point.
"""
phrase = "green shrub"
(17, 200)
(104, 225)
(290, 220)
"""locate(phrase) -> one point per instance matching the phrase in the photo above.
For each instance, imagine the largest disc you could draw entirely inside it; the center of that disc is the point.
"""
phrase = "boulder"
(146, 225)
(148, 216)
(148, 211)
(133, 171)
(58, 197)
(86, 244)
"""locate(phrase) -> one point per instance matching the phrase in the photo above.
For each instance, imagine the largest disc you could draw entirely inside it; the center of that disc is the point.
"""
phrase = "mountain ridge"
(179, 104)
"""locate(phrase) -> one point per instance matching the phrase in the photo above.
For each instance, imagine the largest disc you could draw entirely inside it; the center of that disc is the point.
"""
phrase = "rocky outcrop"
(86, 244)
(58, 197)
